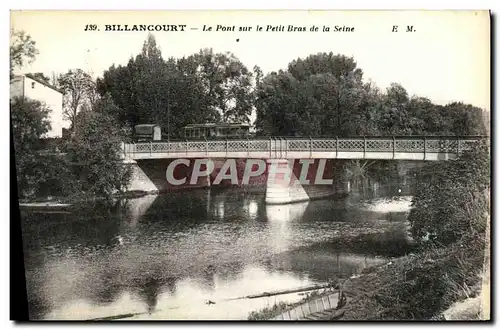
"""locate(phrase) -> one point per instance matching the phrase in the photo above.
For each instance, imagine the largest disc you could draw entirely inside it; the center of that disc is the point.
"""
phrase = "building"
(28, 87)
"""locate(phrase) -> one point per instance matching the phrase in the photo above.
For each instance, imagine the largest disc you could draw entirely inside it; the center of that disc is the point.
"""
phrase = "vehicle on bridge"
(147, 132)
(214, 131)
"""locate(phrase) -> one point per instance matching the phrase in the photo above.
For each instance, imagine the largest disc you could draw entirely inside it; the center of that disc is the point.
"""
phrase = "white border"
(184, 4)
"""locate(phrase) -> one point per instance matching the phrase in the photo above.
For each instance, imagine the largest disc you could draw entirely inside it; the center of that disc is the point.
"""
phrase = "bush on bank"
(30, 121)
(448, 222)
(417, 286)
(85, 166)
(451, 200)
(93, 153)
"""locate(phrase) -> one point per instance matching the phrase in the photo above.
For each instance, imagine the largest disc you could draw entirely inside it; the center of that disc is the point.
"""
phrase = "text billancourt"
(144, 27)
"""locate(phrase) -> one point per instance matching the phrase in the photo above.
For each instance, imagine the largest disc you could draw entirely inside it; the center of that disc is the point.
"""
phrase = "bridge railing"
(357, 144)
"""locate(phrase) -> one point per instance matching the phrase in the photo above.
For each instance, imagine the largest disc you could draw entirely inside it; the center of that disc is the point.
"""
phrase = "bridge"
(430, 148)
(152, 160)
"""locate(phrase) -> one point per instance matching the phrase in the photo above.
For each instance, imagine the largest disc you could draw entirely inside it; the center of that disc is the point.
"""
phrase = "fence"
(357, 144)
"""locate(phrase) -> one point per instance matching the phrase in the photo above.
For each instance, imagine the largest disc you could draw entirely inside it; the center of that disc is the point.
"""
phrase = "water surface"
(165, 256)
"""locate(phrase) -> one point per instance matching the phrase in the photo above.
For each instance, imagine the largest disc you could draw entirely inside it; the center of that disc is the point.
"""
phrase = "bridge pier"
(282, 186)
(139, 181)
(341, 188)
(205, 181)
(341, 185)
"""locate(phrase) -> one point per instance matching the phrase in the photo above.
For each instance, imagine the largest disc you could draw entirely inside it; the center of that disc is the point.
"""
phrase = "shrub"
(30, 121)
(451, 200)
(93, 154)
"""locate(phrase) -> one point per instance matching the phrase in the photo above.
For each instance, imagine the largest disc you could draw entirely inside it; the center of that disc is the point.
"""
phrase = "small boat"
(45, 207)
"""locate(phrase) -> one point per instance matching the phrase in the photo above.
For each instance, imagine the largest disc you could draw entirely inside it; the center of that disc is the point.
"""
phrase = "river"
(166, 255)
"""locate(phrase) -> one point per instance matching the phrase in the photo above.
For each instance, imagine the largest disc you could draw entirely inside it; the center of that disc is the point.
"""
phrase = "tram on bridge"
(212, 131)
(215, 131)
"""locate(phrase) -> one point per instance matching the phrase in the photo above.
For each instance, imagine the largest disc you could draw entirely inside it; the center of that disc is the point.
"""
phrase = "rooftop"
(41, 82)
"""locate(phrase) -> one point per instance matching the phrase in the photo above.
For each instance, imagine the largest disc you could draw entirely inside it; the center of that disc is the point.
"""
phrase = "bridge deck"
(405, 148)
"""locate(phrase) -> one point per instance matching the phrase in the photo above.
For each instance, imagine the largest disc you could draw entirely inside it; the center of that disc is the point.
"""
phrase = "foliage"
(203, 87)
(30, 121)
(226, 82)
(417, 286)
(94, 152)
(22, 49)
(324, 94)
(40, 77)
(268, 312)
(451, 200)
(319, 95)
(78, 88)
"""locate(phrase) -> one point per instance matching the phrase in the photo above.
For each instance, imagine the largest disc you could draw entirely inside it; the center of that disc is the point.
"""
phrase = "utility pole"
(168, 113)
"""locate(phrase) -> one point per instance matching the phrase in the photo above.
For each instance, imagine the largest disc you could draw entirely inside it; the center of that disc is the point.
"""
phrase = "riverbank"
(415, 287)
(65, 203)
(431, 284)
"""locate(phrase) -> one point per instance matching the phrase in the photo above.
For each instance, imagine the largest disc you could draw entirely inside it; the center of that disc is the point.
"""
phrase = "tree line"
(323, 94)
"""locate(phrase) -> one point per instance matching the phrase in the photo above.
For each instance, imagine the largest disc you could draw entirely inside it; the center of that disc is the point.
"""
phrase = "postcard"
(311, 165)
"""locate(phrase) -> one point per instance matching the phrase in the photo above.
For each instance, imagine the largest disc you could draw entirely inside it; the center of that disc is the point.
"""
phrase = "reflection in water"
(148, 291)
(137, 207)
(280, 218)
(253, 208)
(166, 255)
(285, 213)
(220, 210)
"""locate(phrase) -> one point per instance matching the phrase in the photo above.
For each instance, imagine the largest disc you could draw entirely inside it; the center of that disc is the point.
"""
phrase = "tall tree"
(173, 93)
(78, 86)
(140, 88)
(30, 121)
(227, 83)
(465, 119)
(94, 152)
(22, 50)
(395, 119)
(318, 95)
(276, 92)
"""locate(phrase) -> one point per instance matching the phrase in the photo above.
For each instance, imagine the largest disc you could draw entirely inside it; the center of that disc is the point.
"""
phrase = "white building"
(27, 87)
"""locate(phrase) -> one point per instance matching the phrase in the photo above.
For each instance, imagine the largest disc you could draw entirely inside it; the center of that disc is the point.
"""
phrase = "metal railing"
(278, 145)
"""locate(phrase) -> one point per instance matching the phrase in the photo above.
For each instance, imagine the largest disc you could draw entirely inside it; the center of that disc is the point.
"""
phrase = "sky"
(446, 58)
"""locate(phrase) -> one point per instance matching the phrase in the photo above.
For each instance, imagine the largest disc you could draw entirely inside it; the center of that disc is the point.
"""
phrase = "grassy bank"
(82, 198)
(418, 286)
